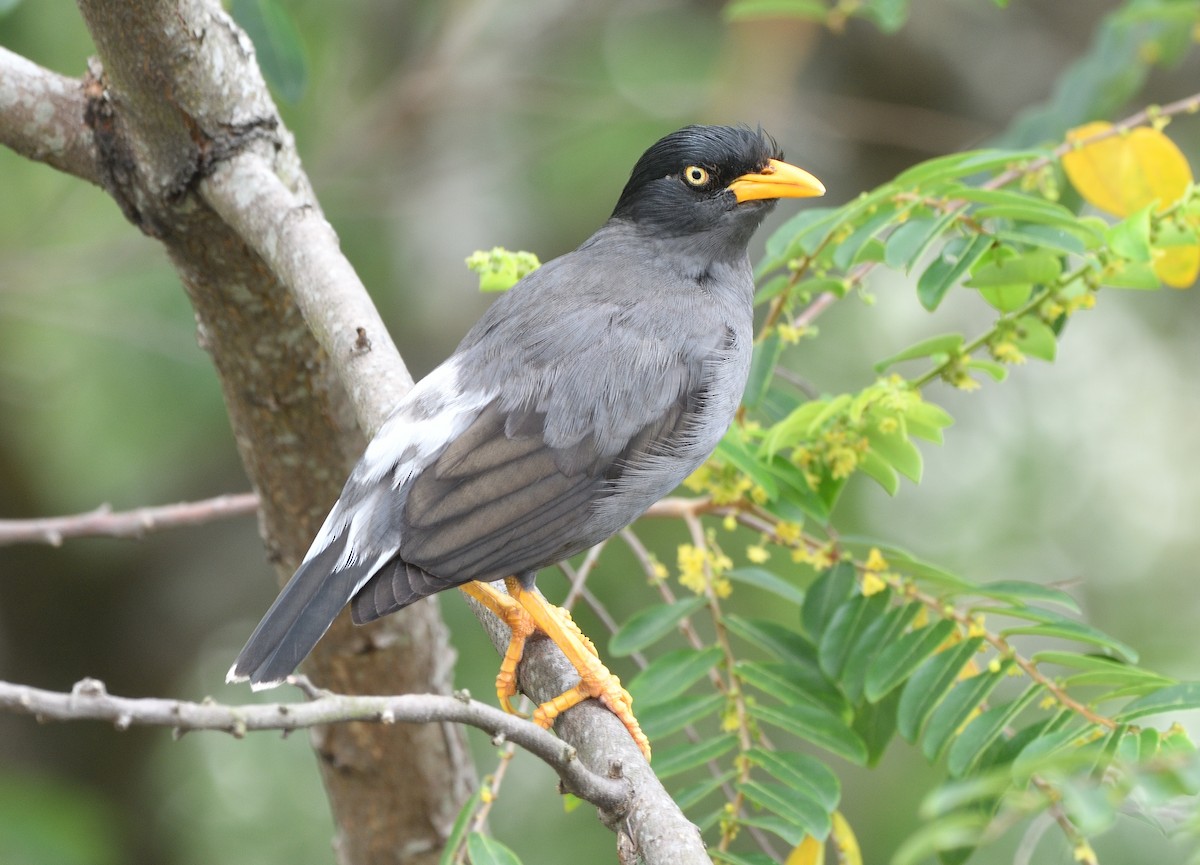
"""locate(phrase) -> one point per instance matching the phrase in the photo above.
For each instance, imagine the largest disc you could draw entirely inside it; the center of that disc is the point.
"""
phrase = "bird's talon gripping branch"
(525, 612)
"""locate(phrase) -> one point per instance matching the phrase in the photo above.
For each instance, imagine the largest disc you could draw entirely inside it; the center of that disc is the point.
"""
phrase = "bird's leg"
(595, 679)
(519, 622)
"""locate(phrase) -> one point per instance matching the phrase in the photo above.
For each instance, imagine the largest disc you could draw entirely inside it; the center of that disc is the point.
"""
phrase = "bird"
(584, 394)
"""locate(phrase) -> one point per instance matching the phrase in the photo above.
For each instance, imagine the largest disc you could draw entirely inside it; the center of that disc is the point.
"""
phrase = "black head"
(703, 179)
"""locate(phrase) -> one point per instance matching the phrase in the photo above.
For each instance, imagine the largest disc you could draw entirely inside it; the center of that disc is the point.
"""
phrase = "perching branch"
(90, 701)
(42, 117)
(137, 523)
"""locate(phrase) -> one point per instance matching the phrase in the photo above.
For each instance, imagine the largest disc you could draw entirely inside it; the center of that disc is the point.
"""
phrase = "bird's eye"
(695, 175)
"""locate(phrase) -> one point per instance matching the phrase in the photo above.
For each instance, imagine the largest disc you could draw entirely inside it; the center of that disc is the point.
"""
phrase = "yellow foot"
(524, 612)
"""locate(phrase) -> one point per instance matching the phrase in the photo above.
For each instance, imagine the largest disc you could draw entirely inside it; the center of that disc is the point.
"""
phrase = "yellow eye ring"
(695, 175)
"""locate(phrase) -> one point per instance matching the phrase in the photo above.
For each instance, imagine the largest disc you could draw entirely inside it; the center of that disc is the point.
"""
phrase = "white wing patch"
(431, 415)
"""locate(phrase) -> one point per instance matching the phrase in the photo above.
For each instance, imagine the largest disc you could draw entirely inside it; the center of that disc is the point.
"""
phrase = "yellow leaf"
(1177, 266)
(810, 851)
(1123, 173)
(848, 850)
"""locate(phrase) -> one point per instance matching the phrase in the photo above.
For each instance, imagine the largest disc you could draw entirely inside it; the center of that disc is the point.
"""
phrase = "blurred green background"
(433, 129)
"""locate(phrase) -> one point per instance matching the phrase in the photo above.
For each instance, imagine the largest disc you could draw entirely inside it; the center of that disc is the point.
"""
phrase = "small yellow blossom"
(699, 480)
(759, 495)
(802, 556)
(757, 554)
(486, 795)
(842, 462)
(821, 559)
(691, 567)
(875, 561)
(789, 334)
(888, 425)
(976, 628)
(1083, 852)
(659, 569)
(1048, 702)
(722, 587)
(994, 666)
(1007, 352)
(729, 523)
(872, 584)
(1052, 310)
(729, 719)
(788, 533)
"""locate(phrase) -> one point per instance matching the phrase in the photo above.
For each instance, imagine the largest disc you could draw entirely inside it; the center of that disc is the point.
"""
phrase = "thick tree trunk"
(176, 95)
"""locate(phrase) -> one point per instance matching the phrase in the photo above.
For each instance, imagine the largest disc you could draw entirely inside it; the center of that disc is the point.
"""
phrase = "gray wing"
(502, 501)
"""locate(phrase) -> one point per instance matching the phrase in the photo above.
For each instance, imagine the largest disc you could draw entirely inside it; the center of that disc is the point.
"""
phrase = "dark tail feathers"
(299, 617)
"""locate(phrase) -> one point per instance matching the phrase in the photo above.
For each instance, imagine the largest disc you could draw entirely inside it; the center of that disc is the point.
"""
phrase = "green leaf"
(1035, 338)
(969, 746)
(799, 235)
(483, 850)
(964, 829)
(879, 470)
(926, 420)
(1048, 748)
(895, 449)
(773, 287)
(671, 674)
(878, 636)
(277, 44)
(773, 638)
(792, 684)
(908, 241)
(1007, 298)
(1049, 237)
(1130, 238)
(1022, 591)
(1080, 632)
(804, 774)
(899, 660)
(957, 257)
(801, 812)
(956, 165)
(682, 758)
(958, 706)
(825, 595)
(930, 684)
(734, 451)
(1102, 664)
(944, 344)
(848, 624)
(876, 724)
(762, 369)
(459, 830)
(1176, 698)
(649, 625)
(1138, 276)
(767, 581)
(816, 725)
(997, 371)
(690, 796)
(663, 719)
(847, 251)
(1037, 267)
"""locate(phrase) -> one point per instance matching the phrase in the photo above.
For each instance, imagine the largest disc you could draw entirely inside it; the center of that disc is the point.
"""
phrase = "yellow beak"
(777, 180)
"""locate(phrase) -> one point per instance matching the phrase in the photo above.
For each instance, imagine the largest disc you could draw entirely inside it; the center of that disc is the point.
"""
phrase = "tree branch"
(89, 700)
(137, 523)
(300, 247)
(42, 117)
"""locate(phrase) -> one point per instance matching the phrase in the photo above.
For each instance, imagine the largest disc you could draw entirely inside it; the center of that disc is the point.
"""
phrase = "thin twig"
(137, 523)
(89, 700)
